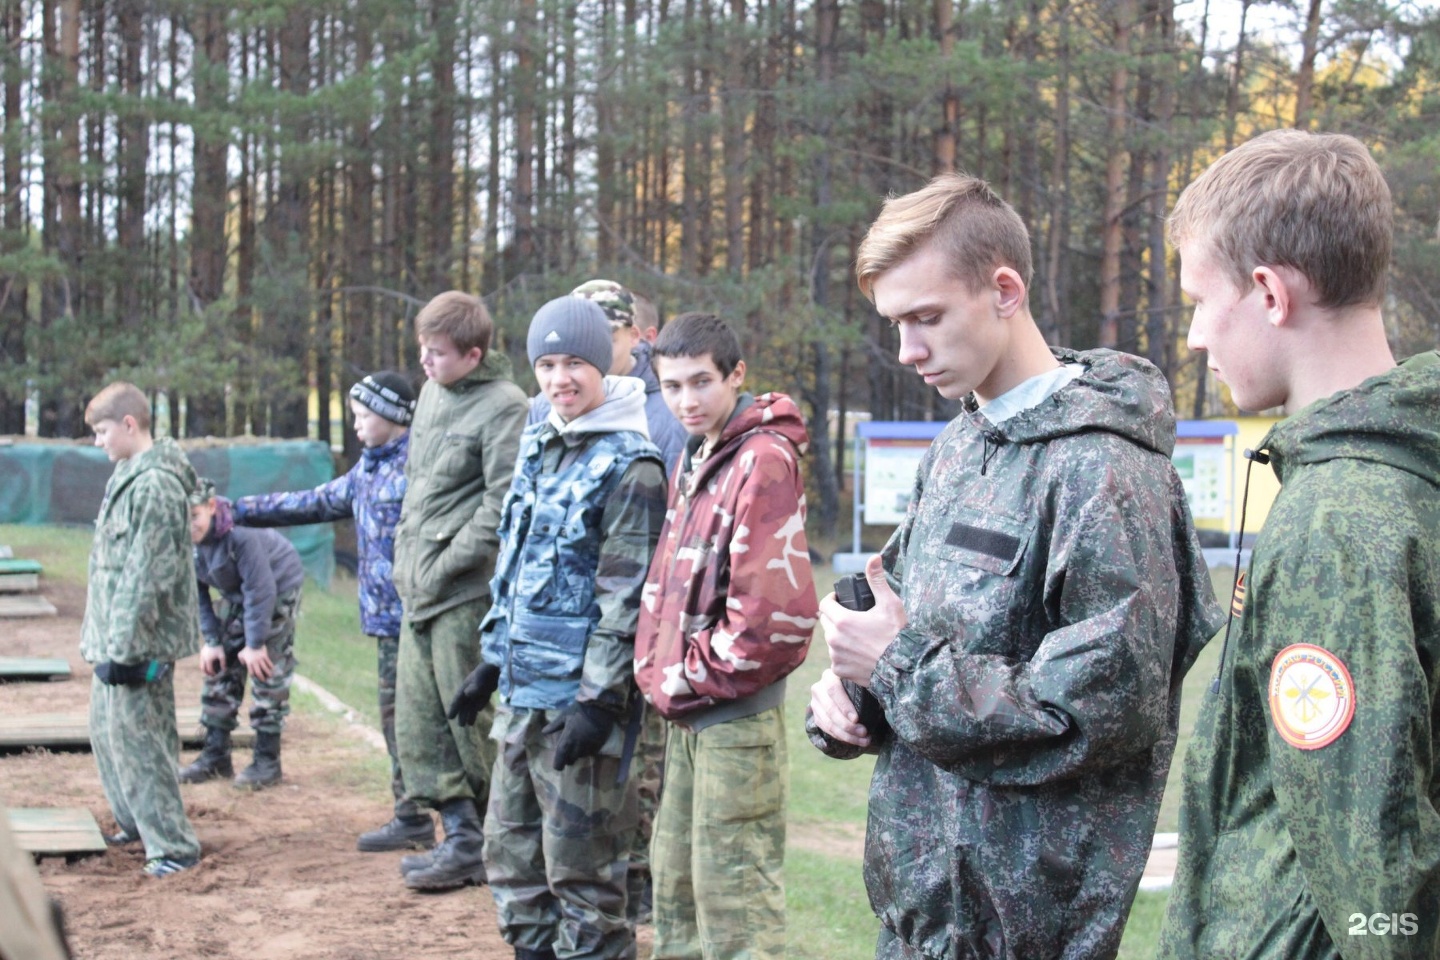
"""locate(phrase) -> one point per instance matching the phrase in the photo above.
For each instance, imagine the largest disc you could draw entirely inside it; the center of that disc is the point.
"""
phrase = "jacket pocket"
(740, 775)
(546, 648)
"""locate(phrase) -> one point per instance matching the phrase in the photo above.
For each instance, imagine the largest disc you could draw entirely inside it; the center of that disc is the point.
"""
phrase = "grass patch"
(64, 552)
(333, 651)
(827, 913)
(1142, 929)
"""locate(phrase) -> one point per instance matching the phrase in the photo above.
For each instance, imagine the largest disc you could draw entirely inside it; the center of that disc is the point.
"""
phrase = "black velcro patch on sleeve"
(992, 543)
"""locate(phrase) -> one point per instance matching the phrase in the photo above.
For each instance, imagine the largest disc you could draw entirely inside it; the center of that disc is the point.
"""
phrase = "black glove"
(131, 674)
(474, 694)
(583, 729)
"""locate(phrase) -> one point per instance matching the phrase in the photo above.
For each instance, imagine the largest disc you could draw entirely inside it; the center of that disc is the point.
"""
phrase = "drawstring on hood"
(987, 452)
(1252, 457)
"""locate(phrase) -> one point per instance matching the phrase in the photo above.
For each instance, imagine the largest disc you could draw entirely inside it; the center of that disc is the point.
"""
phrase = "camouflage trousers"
(557, 845)
(719, 850)
(270, 699)
(648, 768)
(387, 655)
(441, 760)
(135, 743)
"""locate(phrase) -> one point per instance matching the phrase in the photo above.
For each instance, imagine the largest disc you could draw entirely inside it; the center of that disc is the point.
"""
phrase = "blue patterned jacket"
(371, 492)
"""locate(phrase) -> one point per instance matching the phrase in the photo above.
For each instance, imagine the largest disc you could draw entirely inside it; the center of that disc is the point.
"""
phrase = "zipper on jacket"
(1252, 457)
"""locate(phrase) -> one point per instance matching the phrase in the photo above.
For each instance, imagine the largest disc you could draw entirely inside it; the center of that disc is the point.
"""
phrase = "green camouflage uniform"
(463, 443)
(141, 605)
(1056, 595)
(224, 692)
(1288, 852)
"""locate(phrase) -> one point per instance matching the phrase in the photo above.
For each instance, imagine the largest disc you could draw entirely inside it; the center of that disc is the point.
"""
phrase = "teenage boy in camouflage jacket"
(462, 453)
(371, 492)
(140, 617)
(576, 534)
(1310, 816)
(728, 614)
(1035, 612)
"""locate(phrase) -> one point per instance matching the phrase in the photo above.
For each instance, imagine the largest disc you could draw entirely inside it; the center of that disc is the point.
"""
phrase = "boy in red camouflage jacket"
(727, 613)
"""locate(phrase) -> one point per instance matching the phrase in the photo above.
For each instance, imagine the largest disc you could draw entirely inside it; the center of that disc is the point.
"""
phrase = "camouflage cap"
(617, 302)
(204, 491)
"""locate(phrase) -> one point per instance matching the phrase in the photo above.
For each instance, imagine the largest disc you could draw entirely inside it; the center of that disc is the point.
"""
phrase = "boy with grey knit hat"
(577, 530)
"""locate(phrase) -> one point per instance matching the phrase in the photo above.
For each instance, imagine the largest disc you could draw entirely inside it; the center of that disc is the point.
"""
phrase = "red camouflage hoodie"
(729, 605)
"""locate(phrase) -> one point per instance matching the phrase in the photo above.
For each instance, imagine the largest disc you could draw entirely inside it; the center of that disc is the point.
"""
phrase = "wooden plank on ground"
(72, 730)
(33, 668)
(14, 606)
(56, 831)
(19, 582)
(12, 565)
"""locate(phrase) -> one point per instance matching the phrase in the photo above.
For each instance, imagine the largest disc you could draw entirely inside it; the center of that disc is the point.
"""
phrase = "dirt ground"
(280, 878)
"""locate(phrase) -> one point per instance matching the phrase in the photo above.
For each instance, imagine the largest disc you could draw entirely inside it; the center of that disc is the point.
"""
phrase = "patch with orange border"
(1312, 698)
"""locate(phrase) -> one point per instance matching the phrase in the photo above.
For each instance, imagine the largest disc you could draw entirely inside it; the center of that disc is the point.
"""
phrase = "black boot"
(522, 954)
(214, 759)
(264, 769)
(402, 833)
(457, 861)
(416, 861)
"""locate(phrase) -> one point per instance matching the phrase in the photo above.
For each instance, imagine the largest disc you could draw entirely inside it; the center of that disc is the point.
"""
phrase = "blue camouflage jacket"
(371, 492)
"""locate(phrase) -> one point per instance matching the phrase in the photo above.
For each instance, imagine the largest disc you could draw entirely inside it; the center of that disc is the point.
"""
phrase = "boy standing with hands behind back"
(463, 443)
(140, 617)
(728, 611)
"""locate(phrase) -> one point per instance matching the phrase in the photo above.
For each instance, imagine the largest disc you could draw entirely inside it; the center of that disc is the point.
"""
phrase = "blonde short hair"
(1315, 202)
(116, 401)
(977, 230)
(459, 316)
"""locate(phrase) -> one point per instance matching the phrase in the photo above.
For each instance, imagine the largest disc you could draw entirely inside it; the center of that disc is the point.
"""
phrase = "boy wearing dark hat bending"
(249, 634)
(371, 492)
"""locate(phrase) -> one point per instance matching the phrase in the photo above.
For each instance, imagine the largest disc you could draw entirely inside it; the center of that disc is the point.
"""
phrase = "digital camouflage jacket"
(371, 492)
(1056, 595)
(463, 442)
(1309, 826)
(729, 604)
(140, 601)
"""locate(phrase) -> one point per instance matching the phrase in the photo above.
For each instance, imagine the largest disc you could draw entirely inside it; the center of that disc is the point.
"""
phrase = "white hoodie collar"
(622, 409)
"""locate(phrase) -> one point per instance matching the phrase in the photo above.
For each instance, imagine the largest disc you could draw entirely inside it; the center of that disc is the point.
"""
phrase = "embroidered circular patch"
(1312, 698)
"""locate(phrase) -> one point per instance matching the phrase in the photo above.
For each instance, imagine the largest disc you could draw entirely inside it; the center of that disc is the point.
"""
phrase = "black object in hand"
(131, 674)
(854, 593)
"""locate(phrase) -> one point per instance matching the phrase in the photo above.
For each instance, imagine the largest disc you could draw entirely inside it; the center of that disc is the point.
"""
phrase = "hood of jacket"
(622, 409)
(644, 368)
(1118, 393)
(1393, 419)
(770, 412)
(165, 455)
(494, 365)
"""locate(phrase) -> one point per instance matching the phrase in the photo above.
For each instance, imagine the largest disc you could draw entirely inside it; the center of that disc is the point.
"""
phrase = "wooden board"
(56, 831)
(19, 582)
(14, 606)
(11, 565)
(72, 730)
(33, 668)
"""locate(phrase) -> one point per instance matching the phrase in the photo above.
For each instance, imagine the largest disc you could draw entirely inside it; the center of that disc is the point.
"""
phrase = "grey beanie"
(573, 326)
